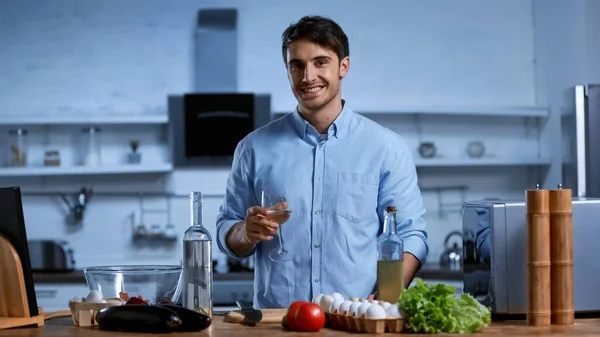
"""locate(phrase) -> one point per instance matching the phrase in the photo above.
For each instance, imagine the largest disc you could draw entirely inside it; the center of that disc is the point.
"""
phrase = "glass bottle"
(390, 260)
(197, 275)
(91, 155)
(18, 147)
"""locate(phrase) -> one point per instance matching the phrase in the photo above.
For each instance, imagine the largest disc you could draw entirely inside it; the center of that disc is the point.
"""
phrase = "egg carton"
(84, 313)
(352, 323)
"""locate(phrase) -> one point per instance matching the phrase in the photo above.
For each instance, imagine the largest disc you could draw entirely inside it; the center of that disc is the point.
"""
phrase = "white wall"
(124, 57)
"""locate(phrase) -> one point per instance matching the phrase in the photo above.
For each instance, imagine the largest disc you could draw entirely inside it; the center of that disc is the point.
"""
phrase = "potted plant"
(134, 157)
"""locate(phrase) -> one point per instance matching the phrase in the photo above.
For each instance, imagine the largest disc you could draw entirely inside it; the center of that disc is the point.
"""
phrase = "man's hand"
(244, 236)
(257, 225)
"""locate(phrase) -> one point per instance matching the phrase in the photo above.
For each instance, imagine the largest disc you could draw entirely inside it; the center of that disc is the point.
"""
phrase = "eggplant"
(191, 321)
(138, 318)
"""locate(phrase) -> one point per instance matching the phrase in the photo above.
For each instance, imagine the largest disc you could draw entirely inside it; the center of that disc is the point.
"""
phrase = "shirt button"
(317, 245)
(316, 280)
(317, 212)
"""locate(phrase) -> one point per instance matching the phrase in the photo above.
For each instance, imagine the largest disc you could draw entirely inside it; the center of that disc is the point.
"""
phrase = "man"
(338, 171)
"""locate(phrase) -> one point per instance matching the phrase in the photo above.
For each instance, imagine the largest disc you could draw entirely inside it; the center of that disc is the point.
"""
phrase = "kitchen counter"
(64, 327)
(428, 271)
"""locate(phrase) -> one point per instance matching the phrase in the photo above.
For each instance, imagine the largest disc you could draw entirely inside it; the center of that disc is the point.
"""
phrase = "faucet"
(81, 201)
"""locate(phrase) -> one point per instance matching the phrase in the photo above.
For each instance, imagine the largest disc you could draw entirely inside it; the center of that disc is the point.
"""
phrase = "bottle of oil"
(197, 275)
(390, 260)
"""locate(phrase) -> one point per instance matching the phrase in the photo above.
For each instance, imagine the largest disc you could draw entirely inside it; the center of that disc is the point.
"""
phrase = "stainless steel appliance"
(495, 257)
(52, 256)
(195, 119)
(581, 131)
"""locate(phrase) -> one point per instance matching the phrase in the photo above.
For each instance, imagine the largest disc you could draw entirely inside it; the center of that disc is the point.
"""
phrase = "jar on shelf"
(91, 146)
(18, 147)
(52, 158)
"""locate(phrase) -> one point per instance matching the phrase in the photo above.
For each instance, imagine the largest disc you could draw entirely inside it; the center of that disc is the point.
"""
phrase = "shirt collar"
(338, 128)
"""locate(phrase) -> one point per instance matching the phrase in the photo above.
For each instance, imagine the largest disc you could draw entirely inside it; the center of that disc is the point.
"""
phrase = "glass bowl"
(151, 282)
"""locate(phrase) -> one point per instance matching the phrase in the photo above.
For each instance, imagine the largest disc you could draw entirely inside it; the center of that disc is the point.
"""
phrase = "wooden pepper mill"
(561, 252)
(538, 257)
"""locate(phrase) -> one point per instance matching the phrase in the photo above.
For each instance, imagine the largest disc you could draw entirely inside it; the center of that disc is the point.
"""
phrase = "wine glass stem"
(280, 236)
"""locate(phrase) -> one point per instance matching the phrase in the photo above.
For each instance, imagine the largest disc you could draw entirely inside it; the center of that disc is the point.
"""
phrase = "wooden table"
(64, 327)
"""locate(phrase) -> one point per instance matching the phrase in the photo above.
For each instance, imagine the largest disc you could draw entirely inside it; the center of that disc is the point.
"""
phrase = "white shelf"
(83, 119)
(84, 170)
(447, 162)
(524, 111)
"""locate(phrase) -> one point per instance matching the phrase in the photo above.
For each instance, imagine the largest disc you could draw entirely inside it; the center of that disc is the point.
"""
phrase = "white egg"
(317, 298)
(363, 309)
(338, 296)
(335, 306)
(95, 296)
(385, 305)
(393, 311)
(345, 308)
(354, 308)
(325, 303)
(375, 312)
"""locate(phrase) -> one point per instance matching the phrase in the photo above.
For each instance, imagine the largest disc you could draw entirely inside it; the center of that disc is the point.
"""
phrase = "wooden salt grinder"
(561, 256)
(538, 257)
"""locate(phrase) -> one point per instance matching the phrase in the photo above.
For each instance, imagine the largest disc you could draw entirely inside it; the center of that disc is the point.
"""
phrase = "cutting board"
(270, 316)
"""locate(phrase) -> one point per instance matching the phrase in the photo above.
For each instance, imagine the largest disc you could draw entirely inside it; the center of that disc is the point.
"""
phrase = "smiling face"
(315, 74)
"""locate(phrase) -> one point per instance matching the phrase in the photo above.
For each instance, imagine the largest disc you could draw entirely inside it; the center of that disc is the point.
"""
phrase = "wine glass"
(276, 212)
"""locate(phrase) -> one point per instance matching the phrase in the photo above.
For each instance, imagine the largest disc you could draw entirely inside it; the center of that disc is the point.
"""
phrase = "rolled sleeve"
(416, 244)
(239, 196)
(399, 187)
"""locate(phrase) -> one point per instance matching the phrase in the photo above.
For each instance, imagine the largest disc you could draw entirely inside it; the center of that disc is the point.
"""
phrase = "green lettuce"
(433, 308)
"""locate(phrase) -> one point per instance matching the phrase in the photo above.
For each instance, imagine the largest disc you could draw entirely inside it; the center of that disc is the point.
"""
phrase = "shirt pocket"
(356, 196)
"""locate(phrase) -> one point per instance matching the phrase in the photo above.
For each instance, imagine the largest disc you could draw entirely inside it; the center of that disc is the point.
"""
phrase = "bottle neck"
(390, 223)
(196, 210)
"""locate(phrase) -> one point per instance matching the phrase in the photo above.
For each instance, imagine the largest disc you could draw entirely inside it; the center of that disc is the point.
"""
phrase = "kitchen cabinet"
(56, 296)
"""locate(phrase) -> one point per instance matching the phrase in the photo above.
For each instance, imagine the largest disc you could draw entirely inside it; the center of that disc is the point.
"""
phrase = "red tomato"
(309, 318)
(290, 319)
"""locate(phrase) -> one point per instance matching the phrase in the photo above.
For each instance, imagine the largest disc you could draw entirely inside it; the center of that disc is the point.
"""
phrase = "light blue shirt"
(338, 187)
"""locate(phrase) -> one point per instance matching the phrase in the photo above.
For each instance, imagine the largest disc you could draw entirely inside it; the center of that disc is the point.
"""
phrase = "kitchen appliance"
(496, 271)
(195, 118)
(581, 169)
(51, 256)
(451, 257)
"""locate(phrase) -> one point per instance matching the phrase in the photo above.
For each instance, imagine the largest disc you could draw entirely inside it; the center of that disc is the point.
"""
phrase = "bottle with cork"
(390, 260)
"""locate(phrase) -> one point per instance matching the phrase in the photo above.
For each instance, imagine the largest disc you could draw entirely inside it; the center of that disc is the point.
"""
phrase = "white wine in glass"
(280, 215)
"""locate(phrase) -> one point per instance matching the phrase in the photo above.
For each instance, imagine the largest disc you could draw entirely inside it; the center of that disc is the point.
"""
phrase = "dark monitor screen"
(12, 227)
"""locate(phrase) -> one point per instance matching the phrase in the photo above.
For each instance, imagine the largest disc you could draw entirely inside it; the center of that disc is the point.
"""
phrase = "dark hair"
(320, 30)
